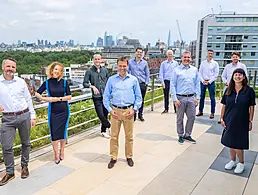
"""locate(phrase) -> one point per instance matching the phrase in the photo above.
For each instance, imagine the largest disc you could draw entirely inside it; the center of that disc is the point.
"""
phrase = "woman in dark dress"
(236, 118)
(58, 110)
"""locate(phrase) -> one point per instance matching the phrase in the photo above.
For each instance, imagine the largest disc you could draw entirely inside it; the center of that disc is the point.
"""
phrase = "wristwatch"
(61, 99)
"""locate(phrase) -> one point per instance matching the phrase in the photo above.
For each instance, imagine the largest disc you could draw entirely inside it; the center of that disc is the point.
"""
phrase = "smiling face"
(186, 58)
(97, 60)
(138, 53)
(238, 77)
(122, 67)
(235, 59)
(57, 72)
(9, 68)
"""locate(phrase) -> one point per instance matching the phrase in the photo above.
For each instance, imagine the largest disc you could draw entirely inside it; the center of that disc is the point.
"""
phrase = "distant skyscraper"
(46, 43)
(42, 42)
(38, 42)
(169, 38)
(19, 42)
(99, 42)
(105, 39)
(109, 40)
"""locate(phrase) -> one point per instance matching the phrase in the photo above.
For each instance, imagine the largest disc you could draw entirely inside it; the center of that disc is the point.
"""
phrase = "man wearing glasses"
(185, 90)
(17, 112)
(139, 68)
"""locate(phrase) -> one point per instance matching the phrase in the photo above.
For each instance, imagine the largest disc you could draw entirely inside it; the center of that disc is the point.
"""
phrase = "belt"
(122, 107)
(188, 95)
(15, 113)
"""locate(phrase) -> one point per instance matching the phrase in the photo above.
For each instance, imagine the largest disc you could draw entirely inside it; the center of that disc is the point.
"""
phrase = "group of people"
(122, 95)
(188, 85)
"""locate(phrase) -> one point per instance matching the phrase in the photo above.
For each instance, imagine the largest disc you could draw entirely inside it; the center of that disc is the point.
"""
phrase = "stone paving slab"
(38, 179)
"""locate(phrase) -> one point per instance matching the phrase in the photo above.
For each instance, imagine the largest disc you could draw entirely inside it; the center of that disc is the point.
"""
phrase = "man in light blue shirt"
(165, 72)
(139, 68)
(122, 98)
(185, 90)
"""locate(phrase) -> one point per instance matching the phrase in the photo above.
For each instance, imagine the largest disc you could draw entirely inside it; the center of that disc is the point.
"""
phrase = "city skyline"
(63, 20)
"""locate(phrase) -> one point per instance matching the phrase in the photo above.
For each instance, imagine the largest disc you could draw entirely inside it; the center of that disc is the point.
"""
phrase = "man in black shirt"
(96, 78)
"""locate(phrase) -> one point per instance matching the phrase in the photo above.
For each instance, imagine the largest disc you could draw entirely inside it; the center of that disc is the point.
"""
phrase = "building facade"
(225, 33)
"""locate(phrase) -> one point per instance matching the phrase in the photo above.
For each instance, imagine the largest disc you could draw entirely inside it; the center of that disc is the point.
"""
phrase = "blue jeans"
(211, 88)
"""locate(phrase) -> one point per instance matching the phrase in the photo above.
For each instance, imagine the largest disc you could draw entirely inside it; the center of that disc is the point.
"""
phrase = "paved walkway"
(162, 166)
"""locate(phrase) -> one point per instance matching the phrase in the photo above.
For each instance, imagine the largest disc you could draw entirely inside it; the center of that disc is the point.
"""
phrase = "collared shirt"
(209, 71)
(122, 92)
(229, 69)
(98, 79)
(15, 96)
(140, 70)
(185, 81)
(166, 70)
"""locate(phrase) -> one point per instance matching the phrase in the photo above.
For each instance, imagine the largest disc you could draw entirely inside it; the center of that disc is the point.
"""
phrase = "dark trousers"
(101, 112)
(7, 135)
(143, 88)
(166, 95)
(211, 88)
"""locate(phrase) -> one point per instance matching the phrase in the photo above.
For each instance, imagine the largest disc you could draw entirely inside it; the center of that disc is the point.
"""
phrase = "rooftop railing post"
(152, 92)
(220, 88)
(255, 78)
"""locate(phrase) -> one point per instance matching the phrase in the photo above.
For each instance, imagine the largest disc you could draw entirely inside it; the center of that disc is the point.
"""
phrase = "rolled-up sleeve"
(138, 96)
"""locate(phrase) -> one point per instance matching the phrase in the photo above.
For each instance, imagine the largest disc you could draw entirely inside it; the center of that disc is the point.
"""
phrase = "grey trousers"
(7, 135)
(187, 107)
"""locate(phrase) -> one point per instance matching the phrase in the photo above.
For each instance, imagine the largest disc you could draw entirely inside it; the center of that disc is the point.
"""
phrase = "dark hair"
(139, 48)
(122, 59)
(235, 53)
(231, 86)
(210, 50)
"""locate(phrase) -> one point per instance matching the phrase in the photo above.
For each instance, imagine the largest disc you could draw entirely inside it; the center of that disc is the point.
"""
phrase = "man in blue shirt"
(139, 68)
(185, 90)
(165, 72)
(122, 98)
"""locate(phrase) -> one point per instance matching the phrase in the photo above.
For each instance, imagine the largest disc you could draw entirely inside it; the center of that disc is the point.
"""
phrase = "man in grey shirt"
(96, 78)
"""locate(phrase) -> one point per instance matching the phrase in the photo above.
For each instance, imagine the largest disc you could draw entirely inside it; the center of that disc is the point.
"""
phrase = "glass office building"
(225, 33)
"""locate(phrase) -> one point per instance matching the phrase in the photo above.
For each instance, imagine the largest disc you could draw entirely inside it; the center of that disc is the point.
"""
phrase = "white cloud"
(85, 20)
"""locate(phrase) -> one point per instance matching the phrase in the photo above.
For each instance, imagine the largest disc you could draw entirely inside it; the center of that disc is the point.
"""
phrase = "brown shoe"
(130, 162)
(199, 114)
(212, 116)
(111, 163)
(8, 177)
(25, 172)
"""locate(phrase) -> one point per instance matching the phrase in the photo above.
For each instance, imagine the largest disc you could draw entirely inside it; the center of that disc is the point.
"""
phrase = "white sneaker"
(230, 165)
(104, 134)
(239, 168)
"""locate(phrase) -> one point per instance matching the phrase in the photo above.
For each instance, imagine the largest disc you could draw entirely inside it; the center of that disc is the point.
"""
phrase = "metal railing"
(86, 97)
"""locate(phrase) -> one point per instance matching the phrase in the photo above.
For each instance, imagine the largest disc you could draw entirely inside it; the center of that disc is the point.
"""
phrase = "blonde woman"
(58, 110)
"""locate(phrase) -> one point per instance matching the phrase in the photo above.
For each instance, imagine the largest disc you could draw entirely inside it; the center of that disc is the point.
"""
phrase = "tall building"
(225, 33)
(46, 43)
(99, 42)
(19, 42)
(105, 38)
(192, 49)
(109, 41)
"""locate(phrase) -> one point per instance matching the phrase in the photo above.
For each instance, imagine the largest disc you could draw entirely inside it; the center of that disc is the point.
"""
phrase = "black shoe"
(180, 140)
(25, 172)
(111, 163)
(164, 112)
(141, 119)
(130, 162)
(199, 114)
(189, 139)
(8, 177)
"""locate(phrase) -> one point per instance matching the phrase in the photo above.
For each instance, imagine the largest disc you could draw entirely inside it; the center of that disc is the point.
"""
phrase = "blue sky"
(85, 20)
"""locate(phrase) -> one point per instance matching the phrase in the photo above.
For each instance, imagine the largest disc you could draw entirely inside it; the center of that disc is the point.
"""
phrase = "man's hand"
(205, 82)
(1, 108)
(177, 103)
(114, 114)
(196, 102)
(163, 86)
(95, 90)
(130, 114)
(33, 123)
(250, 126)
(223, 124)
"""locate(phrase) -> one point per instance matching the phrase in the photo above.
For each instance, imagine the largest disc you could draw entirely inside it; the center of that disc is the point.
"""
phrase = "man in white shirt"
(229, 68)
(165, 72)
(17, 112)
(209, 71)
